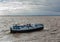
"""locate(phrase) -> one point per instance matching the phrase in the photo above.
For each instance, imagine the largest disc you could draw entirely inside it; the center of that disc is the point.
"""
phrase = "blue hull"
(23, 31)
(26, 28)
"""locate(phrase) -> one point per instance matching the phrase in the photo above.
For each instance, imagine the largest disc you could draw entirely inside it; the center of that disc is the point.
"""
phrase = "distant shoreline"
(27, 15)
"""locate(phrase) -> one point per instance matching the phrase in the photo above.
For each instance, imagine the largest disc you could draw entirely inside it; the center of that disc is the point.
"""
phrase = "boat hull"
(30, 30)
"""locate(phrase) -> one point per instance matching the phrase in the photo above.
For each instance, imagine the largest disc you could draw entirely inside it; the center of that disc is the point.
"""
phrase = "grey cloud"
(36, 7)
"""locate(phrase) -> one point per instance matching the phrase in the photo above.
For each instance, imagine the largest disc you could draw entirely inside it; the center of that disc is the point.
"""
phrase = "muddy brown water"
(50, 33)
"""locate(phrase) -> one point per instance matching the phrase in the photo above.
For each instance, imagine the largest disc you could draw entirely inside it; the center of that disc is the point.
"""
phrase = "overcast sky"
(29, 7)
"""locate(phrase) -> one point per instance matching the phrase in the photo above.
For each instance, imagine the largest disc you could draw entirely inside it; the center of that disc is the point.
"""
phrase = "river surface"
(50, 33)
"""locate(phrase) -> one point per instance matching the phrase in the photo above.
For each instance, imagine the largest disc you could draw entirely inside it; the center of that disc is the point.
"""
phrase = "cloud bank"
(29, 7)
